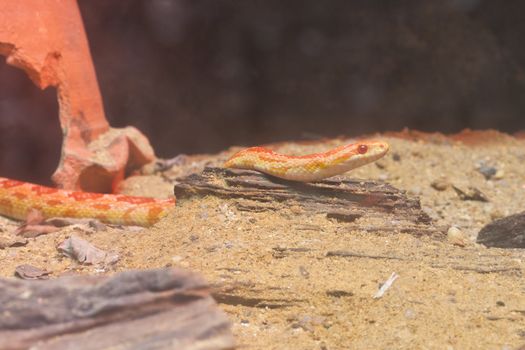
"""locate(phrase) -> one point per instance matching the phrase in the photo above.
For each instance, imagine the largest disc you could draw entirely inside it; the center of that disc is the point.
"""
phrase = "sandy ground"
(281, 290)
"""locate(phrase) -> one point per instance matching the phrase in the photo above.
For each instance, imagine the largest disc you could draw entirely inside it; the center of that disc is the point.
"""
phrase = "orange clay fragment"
(47, 40)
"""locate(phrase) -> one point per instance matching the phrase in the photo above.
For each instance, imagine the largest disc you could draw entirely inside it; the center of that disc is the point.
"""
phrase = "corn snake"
(17, 198)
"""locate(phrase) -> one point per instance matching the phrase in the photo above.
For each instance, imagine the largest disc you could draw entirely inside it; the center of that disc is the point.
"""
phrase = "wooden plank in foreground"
(152, 309)
(340, 199)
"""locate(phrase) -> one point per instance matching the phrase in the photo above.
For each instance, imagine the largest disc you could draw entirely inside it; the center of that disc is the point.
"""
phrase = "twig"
(479, 269)
(346, 253)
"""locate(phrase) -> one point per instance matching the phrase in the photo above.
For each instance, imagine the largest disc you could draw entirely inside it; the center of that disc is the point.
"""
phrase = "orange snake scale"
(17, 198)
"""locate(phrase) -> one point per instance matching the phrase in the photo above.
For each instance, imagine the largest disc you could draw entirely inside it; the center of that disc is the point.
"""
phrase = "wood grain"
(338, 198)
(160, 309)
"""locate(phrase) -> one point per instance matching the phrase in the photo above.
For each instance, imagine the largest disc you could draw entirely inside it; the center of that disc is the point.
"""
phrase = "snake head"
(369, 149)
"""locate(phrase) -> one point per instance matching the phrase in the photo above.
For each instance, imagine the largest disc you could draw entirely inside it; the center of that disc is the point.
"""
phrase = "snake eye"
(362, 149)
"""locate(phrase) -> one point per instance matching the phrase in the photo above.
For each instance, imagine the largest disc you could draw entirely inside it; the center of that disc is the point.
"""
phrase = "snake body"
(17, 198)
(311, 167)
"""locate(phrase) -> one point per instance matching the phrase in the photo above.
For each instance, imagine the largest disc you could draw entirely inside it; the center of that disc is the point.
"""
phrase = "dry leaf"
(29, 272)
(86, 253)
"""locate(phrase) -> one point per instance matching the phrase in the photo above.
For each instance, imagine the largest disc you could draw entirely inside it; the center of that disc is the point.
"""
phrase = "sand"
(271, 273)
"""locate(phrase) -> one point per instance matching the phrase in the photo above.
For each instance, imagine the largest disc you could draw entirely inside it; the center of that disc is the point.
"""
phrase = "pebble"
(383, 177)
(470, 194)
(500, 174)
(457, 237)
(496, 214)
(415, 190)
(29, 272)
(380, 164)
(177, 258)
(440, 184)
(487, 171)
(308, 322)
(396, 157)
(410, 314)
(304, 272)
(97, 226)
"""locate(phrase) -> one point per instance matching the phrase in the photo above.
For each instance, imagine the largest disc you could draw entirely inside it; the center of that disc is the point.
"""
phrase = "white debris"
(386, 285)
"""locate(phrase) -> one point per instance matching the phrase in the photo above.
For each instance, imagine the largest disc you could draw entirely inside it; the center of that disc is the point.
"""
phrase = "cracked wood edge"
(140, 309)
(340, 199)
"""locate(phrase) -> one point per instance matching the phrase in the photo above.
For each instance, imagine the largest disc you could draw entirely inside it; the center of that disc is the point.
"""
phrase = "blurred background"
(201, 75)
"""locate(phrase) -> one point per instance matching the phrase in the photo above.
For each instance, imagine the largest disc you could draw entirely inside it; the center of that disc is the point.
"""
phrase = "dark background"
(202, 75)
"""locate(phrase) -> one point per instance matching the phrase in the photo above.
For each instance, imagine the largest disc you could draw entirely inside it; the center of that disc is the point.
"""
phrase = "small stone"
(304, 272)
(380, 164)
(336, 293)
(415, 190)
(487, 171)
(500, 303)
(383, 177)
(177, 259)
(440, 184)
(457, 237)
(410, 314)
(499, 175)
(10, 240)
(470, 194)
(97, 226)
(308, 322)
(496, 214)
(396, 157)
(417, 154)
(29, 272)
(85, 253)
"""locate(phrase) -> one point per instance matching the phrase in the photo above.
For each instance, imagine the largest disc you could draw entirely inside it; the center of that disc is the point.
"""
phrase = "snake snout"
(384, 146)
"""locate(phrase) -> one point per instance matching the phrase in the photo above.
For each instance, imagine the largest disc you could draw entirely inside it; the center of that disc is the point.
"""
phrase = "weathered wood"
(341, 199)
(155, 309)
(507, 232)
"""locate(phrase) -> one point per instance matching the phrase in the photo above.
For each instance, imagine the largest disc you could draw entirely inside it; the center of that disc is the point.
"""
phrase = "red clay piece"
(47, 40)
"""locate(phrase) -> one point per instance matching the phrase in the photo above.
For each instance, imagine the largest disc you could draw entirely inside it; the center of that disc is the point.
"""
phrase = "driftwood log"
(507, 232)
(154, 309)
(340, 199)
